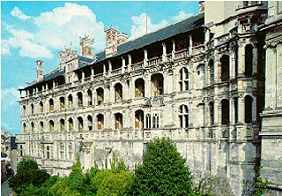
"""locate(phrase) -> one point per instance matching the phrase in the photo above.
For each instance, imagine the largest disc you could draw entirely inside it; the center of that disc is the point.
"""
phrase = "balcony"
(138, 66)
(181, 53)
(154, 61)
(116, 71)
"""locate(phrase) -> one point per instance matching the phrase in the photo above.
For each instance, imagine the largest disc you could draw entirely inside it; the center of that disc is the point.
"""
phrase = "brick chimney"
(86, 44)
(39, 70)
(113, 39)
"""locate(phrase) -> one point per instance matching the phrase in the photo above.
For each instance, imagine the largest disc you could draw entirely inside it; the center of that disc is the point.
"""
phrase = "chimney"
(113, 39)
(39, 70)
(201, 6)
(86, 43)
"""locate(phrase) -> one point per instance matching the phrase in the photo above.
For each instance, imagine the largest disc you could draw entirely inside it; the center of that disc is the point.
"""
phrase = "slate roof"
(162, 34)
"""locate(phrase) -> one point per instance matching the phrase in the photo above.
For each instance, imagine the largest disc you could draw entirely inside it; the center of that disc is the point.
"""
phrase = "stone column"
(190, 45)
(110, 68)
(173, 49)
(123, 65)
(92, 72)
(270, 75)
(231, 111)
(54, 84)
(255, 59)
(241, 59)
(145, 57)
(279, 75)
(104, 69)
(254, 109)
(82, 76)
(241, 109)
(232, 65)
(147, 86)
(129, 62)
(164, 57)
(217, 112)
(217, 69)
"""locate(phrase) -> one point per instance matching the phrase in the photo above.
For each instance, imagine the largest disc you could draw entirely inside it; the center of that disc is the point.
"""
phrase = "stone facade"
(203, 87)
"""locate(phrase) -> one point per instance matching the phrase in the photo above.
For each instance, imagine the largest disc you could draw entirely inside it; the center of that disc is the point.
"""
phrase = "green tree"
(27, 173)
(163, 171)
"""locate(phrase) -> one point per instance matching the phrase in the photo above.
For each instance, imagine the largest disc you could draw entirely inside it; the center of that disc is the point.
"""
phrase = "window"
(118, 121)
(184, 79)
(32, 127)
(70, 151)
(70, 124)
(24, 110)
(21, 150)
(41, 106)
(100, 96)
(62, 125)
(155, 121)
(70, 101)
(248, 60)
(24, 128)
(211, 110)
(62, 151)
(183, 116)
(225, 112)
(89, 97)
(48, 152)
(51, 125)
(90, 122)
(41, 126)
(139, 119)
(157, 82)
(248, 109)
(211, 66)
(224, 61)
(236, 109)
(139, 88)
(118, 92)
(148, 121)
(62, 103)
(80, 124)
(51, 105)
(32, 108)
(79, 99)
(100, 121)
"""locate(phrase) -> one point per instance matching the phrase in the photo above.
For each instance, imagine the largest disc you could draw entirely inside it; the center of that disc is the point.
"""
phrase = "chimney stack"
(201, 6)
(86, 50)
(39, 70)
(113, 39)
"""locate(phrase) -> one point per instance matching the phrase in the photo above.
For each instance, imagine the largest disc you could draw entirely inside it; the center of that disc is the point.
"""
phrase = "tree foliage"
(163, 171)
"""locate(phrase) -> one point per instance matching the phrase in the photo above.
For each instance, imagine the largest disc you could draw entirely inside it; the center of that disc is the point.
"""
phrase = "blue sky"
(38, 30)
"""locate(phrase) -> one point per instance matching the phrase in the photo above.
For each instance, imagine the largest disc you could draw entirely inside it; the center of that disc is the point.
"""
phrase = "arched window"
(24, 110)
(211, 66)
(224, 61)
(70, 124)
(248, 60)
(24, 128)
(118, 121)
(80, 124)
(155, 120)
(89, 122)
(225, 112)
(100, 121)
(51, 125)
(100, 96)
(41, 106)
(41, 126)
(139, 88)
(118, 92)
(211, 111)
(62, 103)
(184, 79)
(148, 121)
(248, 109)
(70, 101)
(62, 125)
(51, 105)
(89, 97)
(157, 81)
(139, 119)
(79, 99)
(32, 127)
(183, 116)
(32, 108)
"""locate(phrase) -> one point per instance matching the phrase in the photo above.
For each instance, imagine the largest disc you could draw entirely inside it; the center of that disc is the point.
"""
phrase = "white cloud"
(26, 44)
(55, 30)
(9, 97)
(5, 49)
(139, 23)
(16, 12)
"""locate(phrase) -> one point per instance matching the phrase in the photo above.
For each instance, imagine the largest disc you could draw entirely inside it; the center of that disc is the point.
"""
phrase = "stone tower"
(86, 44)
